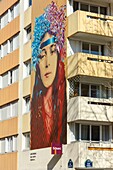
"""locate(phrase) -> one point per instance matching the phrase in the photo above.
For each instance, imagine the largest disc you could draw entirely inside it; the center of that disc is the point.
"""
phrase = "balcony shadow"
(53, 162)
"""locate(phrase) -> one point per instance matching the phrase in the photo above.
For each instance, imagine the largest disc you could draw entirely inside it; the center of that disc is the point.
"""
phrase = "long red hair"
(59, 133)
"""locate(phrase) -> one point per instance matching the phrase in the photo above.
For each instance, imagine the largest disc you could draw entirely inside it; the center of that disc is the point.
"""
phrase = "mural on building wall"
(48, 105)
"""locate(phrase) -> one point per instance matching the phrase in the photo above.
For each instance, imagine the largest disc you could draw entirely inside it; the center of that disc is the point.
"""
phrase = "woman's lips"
(47, 74)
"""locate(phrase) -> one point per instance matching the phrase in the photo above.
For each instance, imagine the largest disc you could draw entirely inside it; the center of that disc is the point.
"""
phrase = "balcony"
(86, 23)
(99, 154)
(87, 108)
(90, 65)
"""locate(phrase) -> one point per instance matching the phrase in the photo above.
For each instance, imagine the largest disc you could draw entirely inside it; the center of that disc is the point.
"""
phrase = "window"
(0, 52)
(84, 7)
(84, 90)
(27, 4)
(94, 9)
(85, 132)
(5, 49)
(85, 47)
(8, 144)
(2, 146)
(15, 42)
(77, 131)
(5, 80)
(26, 140)
(95, 49)
(89, 8)
(75, 6)
(9, 15)
(95, 133)
(14, 109)
(104, 92)
(0, 22)
(76, 88)
(4, 19)
(9, 46)
(13, 75)
(26, 104)
(16, 10)
(90, 132)
(9, 110)
(105, 133)
(95, 91)
(4, 112)
(0, 82)
(9, 77)
(27, 33)
(103, 10)
(30, 2)
(27, 69)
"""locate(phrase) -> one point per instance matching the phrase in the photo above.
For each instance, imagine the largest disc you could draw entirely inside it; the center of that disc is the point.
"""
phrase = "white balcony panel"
(99, 109)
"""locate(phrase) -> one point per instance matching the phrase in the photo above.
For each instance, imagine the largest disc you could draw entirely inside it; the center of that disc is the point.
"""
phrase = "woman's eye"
(53, 49)
(41, 56)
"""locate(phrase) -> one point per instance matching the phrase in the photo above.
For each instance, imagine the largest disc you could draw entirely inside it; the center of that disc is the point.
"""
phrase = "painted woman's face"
(48, 60)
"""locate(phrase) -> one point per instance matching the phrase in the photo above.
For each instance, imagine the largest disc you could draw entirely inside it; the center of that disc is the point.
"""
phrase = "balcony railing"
(87, 108)
(91, 23)
(90, 65)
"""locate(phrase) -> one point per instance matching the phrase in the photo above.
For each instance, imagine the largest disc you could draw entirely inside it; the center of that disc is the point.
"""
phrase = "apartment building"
(89, 85)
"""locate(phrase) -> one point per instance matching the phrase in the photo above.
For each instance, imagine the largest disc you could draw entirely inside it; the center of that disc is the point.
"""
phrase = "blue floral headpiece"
(51, 21)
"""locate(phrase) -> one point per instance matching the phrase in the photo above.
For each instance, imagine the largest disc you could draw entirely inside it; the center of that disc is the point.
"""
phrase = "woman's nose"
(47, 64)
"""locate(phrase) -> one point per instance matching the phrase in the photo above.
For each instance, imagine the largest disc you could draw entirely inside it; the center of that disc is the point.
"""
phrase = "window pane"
(84, 7)
(15, 42)
(77, 131)
(94, 49)
(14, 109)
(105, 133)
(75, 6)
(105, 92)
(16, 10)
(84, 90)
(95, 133)
(5, 80)
(102, 50)
(94, 91)
(103, 10)
(72, 131)
(94, 9)
(85, 47)
(30, 2)
(85, 132)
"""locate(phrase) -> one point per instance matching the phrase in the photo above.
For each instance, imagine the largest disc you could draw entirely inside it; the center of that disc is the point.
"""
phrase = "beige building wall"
(9, 61)
(9, 94)
(11, 29)
(9, 127)
(5, 4)
(9, 161)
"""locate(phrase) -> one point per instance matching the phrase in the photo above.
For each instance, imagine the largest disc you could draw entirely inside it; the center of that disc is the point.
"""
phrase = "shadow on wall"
(53, 162)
